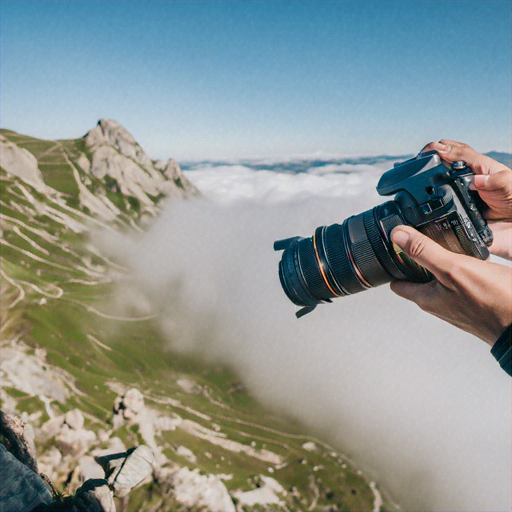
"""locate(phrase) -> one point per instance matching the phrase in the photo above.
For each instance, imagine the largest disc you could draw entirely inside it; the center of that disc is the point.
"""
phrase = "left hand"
(471, 294)
(493, 181)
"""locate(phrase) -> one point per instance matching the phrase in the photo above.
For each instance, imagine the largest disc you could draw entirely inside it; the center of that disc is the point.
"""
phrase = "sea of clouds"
(422, 407)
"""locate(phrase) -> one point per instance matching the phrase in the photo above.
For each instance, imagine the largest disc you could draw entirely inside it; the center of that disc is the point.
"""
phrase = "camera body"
(357, 255)
(437, 201)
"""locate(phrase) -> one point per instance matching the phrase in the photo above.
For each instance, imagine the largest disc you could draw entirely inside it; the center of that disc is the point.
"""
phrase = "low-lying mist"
(419, 405)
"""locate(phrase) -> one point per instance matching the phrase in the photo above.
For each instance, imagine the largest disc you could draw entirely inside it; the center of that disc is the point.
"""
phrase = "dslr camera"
(342, 259)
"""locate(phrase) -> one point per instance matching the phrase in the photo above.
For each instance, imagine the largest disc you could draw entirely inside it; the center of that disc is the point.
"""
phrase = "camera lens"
(344, 259)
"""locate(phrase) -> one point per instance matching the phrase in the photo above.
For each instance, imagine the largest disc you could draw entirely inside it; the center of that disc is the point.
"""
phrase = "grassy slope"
(51, 259)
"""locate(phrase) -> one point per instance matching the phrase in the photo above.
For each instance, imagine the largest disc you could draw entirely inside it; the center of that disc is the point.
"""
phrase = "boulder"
(196, 491)
(74, 419)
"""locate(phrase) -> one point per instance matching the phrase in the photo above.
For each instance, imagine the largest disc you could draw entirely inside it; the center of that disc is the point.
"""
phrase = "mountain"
(92, 379)
(327, 165)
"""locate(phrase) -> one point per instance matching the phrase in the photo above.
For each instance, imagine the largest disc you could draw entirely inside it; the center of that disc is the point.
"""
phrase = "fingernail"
(400, 237)
(443, 148)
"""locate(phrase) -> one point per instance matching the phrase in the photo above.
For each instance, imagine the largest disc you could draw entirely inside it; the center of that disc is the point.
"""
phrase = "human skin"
(471, 294)
(493, 181)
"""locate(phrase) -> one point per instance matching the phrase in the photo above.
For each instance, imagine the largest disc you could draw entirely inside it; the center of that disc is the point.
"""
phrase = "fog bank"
(423, 407)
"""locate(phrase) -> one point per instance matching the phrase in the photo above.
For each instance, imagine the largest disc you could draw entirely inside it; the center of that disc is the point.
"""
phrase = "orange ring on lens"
(321, 267)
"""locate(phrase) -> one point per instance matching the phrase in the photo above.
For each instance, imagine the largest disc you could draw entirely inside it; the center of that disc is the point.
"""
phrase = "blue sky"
(243, 78)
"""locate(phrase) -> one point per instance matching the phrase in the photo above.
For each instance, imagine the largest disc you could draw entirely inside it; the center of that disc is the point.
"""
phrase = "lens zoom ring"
(379, 247)
(311, 270)
(368, 263)
(336, 249)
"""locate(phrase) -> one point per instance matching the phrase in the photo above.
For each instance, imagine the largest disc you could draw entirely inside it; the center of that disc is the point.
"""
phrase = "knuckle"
(417, 246)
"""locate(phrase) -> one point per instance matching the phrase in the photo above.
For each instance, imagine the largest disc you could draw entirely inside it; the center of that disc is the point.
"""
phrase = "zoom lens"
(344, 259)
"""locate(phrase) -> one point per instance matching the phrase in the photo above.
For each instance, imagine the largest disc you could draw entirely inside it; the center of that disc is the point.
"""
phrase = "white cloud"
(421, 405)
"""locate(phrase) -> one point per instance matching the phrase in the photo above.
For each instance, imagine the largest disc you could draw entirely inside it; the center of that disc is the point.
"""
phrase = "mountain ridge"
(94, 378)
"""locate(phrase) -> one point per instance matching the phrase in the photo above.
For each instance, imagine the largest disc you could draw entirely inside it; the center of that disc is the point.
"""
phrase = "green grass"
(139, 356)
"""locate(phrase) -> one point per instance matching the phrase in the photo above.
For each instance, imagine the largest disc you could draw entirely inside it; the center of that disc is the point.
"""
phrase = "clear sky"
(210, 79)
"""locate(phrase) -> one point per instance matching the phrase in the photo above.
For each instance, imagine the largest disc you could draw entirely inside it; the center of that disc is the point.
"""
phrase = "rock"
(50, 429)
(118, 156)
(32, 375)
(268, 493)
(310, 446)
(128, 406)
(165, 422)
(50, 463)
(20, 437)
(74, 442)
(74, 419)
(94, 495)
(114, 445)
(89, 468)
(172, 171)
(183, 451)
(133, 402)
(22, 163)
(111, 132)
(203, 492)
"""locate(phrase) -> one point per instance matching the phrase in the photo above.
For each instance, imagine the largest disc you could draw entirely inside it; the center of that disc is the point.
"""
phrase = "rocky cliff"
(94, 378)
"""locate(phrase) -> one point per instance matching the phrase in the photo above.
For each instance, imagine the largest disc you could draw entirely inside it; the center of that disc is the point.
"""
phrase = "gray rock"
(20, 436)
(75, 442)
(89, 468)
(74, 419)
(22, 164)
(94, 496)
(197, 491)
(126, 470)
(128, 407)
(116, 154)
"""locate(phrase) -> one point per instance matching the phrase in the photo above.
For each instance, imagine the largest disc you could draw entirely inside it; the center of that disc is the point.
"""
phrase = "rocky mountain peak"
(108, 131)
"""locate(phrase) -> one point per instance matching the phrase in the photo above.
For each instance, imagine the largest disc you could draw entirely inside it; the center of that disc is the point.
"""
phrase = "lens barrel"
(344, 259)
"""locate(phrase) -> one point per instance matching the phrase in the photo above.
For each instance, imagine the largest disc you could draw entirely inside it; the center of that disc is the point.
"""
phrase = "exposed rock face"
(32, 375)
(128, 406)
(21, 163)
(172, 171)
(111, 132)
(196, 491)
(268, 493)
(116, 154)
(69, 434)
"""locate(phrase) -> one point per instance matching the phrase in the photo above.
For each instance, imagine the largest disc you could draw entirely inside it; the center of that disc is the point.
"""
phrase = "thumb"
(499, 181)
(425, 252)
(496, 191)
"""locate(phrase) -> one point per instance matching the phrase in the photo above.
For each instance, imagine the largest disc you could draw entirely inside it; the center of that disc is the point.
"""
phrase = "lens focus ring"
(337, 252)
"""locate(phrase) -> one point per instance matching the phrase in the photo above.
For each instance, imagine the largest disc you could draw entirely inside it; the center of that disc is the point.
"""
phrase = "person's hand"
(471, 294)
(493, 181)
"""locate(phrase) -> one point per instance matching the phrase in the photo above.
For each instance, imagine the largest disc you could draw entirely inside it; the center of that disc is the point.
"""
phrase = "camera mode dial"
(459, 165)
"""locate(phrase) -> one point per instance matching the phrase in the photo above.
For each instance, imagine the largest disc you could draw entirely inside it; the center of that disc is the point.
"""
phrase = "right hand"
(493, 181)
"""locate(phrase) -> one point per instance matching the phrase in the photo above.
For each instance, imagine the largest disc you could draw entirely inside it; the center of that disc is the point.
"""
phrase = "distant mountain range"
(93, 380)
(301, 165)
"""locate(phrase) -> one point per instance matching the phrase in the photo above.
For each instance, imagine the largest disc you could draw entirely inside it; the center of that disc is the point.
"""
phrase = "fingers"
(427, 253)
(452, 151)
(496, 191)
(502, 243)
